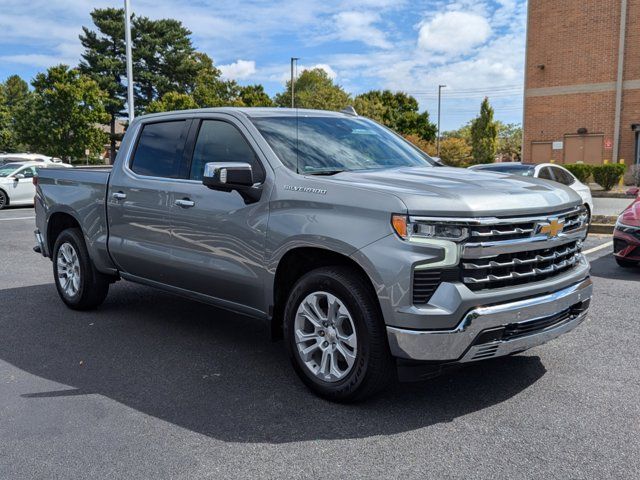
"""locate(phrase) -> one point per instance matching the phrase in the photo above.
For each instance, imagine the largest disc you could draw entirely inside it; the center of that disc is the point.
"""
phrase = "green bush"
(582, 171)
(608, 175)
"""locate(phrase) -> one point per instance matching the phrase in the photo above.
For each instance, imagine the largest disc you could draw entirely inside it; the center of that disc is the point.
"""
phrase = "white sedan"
(16, 184)
(42, 160)
(545, 171)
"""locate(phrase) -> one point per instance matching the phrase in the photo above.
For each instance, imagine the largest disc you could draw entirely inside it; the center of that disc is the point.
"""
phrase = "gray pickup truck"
(369, 258)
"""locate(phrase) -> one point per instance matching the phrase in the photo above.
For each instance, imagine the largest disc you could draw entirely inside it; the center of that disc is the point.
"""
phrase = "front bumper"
(626, 242)
(497, 330)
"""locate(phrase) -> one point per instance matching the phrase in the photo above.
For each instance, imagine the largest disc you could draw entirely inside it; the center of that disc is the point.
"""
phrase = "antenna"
(349, 111)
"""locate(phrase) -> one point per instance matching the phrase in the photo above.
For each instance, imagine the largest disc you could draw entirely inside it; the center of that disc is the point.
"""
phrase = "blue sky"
(476, 48)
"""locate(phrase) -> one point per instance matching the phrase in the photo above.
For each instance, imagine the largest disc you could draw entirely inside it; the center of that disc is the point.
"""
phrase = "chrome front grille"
(520, 267)
(513, 251)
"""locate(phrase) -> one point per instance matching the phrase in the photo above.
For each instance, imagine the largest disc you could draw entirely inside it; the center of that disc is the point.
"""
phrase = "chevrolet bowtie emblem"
(551, 229)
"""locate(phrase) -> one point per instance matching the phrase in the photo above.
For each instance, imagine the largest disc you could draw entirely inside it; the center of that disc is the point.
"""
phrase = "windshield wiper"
(325, 172)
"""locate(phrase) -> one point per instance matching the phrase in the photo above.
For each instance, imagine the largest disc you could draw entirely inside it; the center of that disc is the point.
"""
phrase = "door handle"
(185, 203)
(118, 195)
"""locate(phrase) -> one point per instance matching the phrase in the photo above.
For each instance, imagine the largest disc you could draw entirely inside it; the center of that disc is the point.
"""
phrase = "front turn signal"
(399, 223)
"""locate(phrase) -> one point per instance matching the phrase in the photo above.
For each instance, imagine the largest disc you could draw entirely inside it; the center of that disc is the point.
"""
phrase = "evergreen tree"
(255, 96)
(484, 135)
(104, 61)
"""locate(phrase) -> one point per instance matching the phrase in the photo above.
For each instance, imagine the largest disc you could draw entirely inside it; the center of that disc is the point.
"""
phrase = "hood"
(447, 191)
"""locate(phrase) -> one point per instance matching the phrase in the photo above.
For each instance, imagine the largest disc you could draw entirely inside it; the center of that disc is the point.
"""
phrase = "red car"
(626, 236)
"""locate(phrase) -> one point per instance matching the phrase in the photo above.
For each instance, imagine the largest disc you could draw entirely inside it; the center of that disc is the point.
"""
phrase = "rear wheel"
(4, 200)
(79, 284)
(335, 335)
(626, 263)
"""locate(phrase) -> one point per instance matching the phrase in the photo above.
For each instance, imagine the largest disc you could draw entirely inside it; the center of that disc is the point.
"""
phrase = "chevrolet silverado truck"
(370, 260)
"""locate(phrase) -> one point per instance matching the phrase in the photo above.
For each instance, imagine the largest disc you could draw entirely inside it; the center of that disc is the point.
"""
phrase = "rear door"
(219, 237)
(138, 201)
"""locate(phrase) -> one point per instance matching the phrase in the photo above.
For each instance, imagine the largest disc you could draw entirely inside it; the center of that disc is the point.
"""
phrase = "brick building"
(582, 81)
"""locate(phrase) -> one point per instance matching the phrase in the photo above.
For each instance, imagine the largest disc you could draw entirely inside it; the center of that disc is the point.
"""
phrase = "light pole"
(293, 60)
(440, 87)
(127, 40)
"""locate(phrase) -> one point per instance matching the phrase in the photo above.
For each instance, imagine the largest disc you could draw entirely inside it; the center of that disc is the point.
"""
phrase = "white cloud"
(359, 27)
(323, 66)
(238, 70)
(454, 32)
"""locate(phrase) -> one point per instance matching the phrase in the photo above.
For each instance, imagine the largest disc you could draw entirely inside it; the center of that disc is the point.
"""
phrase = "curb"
(601, 228)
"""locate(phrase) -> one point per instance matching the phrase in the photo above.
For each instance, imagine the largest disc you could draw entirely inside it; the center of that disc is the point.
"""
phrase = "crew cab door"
(218, 238)
(138, 200)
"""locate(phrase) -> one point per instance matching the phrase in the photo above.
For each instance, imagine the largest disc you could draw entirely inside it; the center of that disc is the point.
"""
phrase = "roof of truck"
(258, 112)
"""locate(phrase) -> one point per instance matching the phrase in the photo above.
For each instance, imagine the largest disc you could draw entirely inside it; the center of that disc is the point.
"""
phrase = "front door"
(23, 190)
(139, 205)
(218, 237)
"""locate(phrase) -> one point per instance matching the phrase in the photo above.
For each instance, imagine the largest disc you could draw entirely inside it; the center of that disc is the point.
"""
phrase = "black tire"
(93, 286)
(626, 263)
(4, 199)
(374, 367)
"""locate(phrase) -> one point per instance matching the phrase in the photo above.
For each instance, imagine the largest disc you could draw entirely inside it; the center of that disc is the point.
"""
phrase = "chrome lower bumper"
(497, 330)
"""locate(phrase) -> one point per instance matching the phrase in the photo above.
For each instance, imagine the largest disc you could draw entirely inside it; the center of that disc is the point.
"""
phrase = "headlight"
(424, 230)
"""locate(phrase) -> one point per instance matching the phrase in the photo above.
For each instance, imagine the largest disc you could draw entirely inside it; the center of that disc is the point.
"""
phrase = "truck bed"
(82, 192)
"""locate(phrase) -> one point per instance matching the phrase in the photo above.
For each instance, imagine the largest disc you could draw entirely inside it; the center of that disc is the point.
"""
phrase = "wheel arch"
(57, 223)
(6, 195)
(294, 264)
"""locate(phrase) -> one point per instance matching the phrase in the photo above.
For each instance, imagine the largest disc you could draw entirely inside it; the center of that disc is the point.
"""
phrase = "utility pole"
(293, 60)
(440, 87)
(127, 39)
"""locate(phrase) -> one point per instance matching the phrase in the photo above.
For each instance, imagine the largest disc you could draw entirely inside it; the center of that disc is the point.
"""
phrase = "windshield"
(8, 169)
(523, 170)
(334, 144)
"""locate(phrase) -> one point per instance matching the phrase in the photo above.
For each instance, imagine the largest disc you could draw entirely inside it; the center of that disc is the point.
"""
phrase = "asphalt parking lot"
(154, 386)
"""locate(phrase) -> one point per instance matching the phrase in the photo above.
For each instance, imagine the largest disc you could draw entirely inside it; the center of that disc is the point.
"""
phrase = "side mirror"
(19, 176)
(229, 176)
(633, 191)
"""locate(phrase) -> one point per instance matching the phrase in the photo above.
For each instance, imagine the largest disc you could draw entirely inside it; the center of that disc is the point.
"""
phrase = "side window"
(159, 150)
(28, 172)
(563, 176)
(545, 174)
(220, 141)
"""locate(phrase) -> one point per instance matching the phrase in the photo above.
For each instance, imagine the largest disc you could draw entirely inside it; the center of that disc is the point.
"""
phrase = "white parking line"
(16, 218)
(599, 247)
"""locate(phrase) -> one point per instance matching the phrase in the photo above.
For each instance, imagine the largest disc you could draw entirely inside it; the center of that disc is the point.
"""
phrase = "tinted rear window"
(159, 150)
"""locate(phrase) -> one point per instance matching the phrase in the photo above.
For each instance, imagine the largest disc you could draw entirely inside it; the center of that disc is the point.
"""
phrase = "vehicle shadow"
(606, 267)
(217, 373)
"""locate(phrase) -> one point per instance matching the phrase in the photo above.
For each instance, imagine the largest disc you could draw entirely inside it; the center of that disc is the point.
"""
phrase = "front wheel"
(4, 200)
(79, 284)
(335, 335)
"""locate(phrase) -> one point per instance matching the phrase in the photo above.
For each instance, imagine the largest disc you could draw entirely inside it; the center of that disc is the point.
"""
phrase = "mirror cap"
(227, 174)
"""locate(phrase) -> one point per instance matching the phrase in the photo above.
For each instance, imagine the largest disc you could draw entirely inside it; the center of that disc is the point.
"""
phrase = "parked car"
(16, 184)
(31, 157)
(626, 235)
(361, 252)
(545, 171)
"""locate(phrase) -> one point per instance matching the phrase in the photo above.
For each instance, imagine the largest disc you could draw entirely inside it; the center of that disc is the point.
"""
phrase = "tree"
(484, 135)
(398, 111)
(314, 89)
(172, 101)
(13, 93)
(164, 60)
(210, 90)
(255, 96)
(60, 117)
(509, 141)
(455, 152)
(104, 61)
